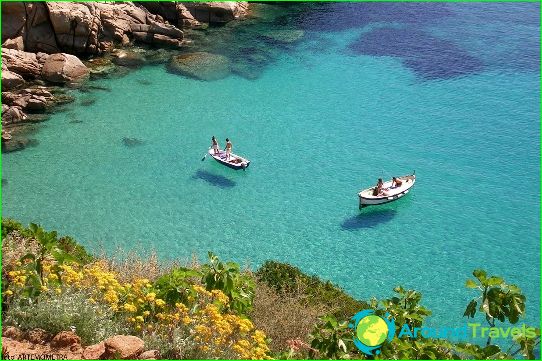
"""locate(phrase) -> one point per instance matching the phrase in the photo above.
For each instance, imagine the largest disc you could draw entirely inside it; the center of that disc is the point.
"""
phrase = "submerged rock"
(128, 58)
(132, 142)
(100, 67)
(36, 118)
(87, 101)
(159, 56)
(285, 36)
(201, 65)
(90, 87)
(144, 81)
(120, 71)
(245, 70)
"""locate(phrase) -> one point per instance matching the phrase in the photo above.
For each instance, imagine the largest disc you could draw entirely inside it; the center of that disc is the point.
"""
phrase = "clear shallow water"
(455, 98)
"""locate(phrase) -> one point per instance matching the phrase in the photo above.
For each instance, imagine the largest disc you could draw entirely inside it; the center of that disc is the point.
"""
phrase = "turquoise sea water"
(450, 90)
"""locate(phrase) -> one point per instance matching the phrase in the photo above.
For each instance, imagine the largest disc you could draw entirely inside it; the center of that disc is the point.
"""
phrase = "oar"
(205, 156)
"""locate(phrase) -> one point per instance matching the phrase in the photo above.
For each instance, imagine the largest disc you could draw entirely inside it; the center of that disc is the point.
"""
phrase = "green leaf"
(471, 284)
(480, 275)
(491, 350)
(470, 311)
(33, 227)
(494, 281)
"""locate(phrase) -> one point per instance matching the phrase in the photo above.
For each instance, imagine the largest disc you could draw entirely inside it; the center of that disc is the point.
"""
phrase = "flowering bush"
(63, 311)
(203, 322)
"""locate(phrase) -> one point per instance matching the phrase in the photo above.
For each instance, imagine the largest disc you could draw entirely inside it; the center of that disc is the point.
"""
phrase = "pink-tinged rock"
(63, 68)
(16, 43)
(38, 335)
(6, 135)
(94, 352)
(11, 80)
(13, 115)
(149, 355)
(217, 12)
(65, 339)
(9, 331)
(123, 347)
(21, 62)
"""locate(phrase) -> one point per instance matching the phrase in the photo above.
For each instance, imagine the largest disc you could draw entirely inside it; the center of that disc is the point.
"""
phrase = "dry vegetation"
(284, 317)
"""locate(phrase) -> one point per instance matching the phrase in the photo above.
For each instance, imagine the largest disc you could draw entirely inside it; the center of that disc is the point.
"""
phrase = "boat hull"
(366, 199)
(221, 158)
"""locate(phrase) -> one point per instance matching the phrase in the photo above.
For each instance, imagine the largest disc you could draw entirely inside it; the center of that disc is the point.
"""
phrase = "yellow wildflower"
(52, 276)
(181, 307)
(160, 303)
(129, 307)
(150, 296)
(245, 325)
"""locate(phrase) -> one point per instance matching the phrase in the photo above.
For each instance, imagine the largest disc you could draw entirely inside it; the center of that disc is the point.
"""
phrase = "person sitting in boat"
(214, 145)
(378, 188)
(228, 148)
(396, 182)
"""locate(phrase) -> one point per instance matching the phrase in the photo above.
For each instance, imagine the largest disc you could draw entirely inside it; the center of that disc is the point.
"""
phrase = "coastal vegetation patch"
(52, 285)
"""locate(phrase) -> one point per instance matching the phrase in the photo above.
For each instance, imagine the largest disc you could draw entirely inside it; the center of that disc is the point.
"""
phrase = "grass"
(287, 279)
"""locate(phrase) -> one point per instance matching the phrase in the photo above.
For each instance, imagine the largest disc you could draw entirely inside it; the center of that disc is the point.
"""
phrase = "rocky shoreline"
(49, 47)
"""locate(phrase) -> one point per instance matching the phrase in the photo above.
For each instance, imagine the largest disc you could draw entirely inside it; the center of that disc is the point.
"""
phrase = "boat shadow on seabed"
(368, 219)
(214, 179)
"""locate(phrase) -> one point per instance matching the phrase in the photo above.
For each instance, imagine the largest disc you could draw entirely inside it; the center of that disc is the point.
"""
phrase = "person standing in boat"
(214, 145)
(228, 148)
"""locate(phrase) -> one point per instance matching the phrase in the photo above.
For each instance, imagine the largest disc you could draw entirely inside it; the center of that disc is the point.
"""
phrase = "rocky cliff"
(95, 28)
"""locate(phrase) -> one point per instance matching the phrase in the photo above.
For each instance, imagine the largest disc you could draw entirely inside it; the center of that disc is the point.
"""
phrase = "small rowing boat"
(388, 194)
(234, 161)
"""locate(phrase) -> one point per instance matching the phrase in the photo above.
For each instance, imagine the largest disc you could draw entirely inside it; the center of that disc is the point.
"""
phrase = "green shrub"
(66, 244)
(176, 285)
(9, 225)
(62, 312)
(228, 278)
(285, 278)
(70, 246)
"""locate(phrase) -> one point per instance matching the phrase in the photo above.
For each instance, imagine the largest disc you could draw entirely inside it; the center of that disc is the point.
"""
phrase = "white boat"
(233, 161)
(388, 194)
